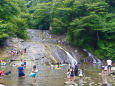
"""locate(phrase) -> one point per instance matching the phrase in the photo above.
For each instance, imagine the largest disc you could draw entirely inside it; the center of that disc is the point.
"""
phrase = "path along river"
(43, 51)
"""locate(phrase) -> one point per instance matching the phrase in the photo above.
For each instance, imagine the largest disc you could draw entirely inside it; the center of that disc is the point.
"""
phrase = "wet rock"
(89, 78)
(100, 83)
(76, 51)
(113, 72)
(14, 42)
(113, 68)
(47, 63)
(84, 82)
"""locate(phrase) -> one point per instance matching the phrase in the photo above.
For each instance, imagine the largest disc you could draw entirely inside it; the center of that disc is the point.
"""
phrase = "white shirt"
(109, 62)
(81, 73)
(105, 68)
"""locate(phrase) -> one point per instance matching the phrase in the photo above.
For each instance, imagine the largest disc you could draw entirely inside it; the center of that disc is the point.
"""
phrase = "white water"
(95, 59)
(72, 60)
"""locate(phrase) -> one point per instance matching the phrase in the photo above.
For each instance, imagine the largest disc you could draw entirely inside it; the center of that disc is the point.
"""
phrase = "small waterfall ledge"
(94, 58)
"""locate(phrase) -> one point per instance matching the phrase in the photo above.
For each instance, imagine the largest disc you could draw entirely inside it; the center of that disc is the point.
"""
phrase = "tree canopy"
(89, 24)
(11, 22)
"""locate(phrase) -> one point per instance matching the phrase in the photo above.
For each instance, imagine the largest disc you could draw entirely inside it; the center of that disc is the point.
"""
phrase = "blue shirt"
(11, 48)
(20, 69)
(24, 63)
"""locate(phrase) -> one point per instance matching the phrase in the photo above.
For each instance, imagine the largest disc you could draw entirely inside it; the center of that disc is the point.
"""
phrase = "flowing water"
(94, 58)
(43, 51)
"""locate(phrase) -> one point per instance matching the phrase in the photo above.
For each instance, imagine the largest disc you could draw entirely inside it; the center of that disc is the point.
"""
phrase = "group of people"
(21, 68)
(21, 72)
(6, 73)
(60, 41)
(15, 52)
(106, 69)
(74, 72)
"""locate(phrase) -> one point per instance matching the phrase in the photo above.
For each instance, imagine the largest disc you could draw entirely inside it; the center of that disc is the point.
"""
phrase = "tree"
(8, 26)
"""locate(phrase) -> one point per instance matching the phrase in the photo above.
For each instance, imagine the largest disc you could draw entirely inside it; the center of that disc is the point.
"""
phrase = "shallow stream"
(42, 49)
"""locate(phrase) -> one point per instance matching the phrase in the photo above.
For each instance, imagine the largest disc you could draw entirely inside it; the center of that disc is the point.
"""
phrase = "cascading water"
(94, 58)
(72, 60)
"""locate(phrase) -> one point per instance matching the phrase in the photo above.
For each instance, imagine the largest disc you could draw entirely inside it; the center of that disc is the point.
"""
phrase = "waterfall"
(72, 60)
(94, 58)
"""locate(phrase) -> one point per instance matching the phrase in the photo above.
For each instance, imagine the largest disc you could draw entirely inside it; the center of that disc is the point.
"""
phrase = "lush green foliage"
(11, 21)
(89, 24)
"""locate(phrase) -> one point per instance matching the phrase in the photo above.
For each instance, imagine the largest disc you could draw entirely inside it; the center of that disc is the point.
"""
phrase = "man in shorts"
(21, 71)
(109, 65)
(76, 70)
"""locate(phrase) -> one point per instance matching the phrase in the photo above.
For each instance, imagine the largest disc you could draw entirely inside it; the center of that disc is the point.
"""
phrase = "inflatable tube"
(56, 67)
(33, 74)
(61, 65)
(3, 64)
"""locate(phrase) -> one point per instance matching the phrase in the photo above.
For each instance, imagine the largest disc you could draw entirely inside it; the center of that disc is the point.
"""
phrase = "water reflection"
(21, 81)
(81, 82)
(3, 67)
(106, 80)
(1, 80)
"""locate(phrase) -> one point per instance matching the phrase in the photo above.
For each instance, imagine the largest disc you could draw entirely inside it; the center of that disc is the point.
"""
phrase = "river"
(42, 51)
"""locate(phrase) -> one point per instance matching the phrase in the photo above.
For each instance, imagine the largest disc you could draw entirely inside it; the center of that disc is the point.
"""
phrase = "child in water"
(103, 71)
(34, 70)
(72, 74)
(68, 75)
(52, 67)
(24, 63)
(7, 73)
(1, 72)
(81, 73)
